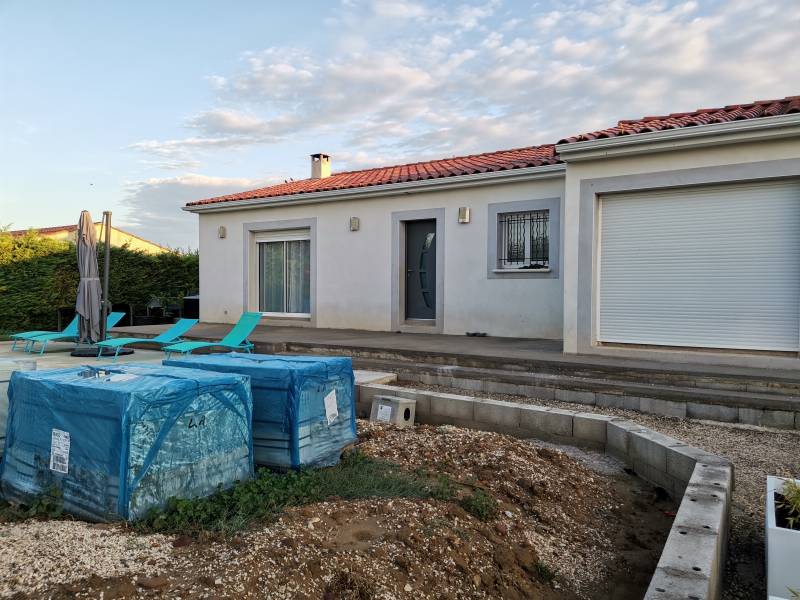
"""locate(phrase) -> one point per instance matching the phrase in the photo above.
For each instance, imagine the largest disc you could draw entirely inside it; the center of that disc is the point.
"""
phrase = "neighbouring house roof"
(45, 231)
(501, 160)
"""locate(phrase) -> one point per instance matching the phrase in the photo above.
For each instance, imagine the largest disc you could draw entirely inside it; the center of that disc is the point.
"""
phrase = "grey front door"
(421, 269)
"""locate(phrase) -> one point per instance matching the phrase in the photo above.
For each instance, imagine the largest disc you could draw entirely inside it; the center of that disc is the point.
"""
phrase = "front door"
(421, 269)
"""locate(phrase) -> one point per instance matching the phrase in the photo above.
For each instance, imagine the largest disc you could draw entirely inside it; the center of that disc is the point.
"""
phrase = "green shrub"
(39, 275)
(47, 505)
(480, 505)
(265, 497)
(790, 503)
(544, 573)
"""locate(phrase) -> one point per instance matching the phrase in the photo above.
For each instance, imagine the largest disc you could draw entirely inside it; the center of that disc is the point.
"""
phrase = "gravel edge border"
(692, 562)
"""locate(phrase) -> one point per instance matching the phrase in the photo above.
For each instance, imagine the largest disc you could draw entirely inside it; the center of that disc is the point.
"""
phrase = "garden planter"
(783, 549)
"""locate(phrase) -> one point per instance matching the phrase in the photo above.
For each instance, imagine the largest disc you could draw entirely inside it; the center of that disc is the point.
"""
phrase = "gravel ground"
(37, 554)
(755, 452)
(567, 527)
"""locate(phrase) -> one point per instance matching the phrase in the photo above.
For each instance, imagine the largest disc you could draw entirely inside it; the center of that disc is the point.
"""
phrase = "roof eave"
(389, 189)
(747, 130)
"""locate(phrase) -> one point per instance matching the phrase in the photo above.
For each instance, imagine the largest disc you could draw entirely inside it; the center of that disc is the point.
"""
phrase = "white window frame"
(280, 236)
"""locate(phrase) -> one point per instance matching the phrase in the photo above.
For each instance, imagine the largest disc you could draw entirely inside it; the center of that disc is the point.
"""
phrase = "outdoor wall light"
(463, 214)
(222, 232)
(355, 223)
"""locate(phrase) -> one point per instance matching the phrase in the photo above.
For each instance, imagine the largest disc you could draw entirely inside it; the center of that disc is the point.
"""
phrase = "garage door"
(714, 267)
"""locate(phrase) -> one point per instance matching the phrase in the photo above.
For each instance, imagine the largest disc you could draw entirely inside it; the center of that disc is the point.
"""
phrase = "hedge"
(39, 275)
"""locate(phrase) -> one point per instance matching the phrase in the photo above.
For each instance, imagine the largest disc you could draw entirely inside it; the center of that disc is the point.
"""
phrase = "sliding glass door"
(284, 274)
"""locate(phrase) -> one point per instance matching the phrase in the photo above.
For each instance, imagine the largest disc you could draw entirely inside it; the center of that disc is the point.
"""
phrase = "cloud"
(154, 205)
(406, 80)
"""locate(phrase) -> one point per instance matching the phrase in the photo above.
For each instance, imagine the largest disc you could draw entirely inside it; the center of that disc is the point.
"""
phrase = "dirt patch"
(755, 453)
(560, 530)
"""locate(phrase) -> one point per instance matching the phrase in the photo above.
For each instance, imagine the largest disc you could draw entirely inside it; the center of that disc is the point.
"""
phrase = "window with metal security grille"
(284, 273)
(524, 240)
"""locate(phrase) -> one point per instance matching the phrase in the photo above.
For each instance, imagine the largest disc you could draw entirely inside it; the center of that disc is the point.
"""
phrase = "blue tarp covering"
(118, 440)
(291, 425)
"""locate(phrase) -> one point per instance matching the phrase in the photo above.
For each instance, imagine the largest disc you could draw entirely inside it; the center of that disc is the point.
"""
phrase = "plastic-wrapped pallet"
(8, 366)
(303, 406)
(119, 440)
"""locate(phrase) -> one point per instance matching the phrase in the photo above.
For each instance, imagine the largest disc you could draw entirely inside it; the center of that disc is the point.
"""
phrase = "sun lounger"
(235, 340)
(27, 336)
(111, 320)
(170, 336)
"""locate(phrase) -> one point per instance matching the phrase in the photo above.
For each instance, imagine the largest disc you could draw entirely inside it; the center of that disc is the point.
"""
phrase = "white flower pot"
(783, 549)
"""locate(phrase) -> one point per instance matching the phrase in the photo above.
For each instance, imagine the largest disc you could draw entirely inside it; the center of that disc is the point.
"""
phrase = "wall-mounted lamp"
(355, 223)
(463, 214)
(222, 232)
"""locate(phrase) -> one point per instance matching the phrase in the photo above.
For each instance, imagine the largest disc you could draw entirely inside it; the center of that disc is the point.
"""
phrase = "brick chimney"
(320, 166)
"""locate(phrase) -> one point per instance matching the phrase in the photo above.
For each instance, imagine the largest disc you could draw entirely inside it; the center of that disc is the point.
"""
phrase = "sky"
(140, 107)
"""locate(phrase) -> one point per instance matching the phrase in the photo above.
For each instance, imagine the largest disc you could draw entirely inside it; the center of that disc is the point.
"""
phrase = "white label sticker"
(384, 412)
(59, 451)
(331, 409)
(122, 377)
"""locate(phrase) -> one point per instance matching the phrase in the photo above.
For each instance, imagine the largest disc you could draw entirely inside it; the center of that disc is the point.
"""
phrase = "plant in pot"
(783, 537)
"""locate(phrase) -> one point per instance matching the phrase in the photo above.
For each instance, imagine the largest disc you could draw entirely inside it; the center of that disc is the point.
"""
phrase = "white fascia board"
(389, 189)
(698, 136)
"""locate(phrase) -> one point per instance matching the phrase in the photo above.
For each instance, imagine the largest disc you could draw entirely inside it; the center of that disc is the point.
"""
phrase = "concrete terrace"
(516, 353)
(539, 369)
(58, 356)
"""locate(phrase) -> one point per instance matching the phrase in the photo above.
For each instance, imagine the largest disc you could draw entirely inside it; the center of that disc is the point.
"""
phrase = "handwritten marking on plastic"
(201, 422)
(59, 451)
(384, 412)
(331, 408)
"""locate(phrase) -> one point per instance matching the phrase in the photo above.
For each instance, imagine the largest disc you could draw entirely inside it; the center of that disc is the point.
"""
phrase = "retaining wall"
(728, 406)
(693, 559)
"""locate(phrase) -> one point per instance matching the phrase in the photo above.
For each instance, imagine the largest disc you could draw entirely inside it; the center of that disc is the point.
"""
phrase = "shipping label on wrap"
(59, 451)
(384, 412)
(123, 377)
(331, 409)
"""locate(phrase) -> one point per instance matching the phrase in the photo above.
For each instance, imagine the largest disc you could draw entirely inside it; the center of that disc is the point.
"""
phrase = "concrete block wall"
(702, 403)
(692, 562)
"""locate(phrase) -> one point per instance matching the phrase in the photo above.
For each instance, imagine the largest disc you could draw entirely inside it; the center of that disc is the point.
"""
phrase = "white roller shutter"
(712, 266)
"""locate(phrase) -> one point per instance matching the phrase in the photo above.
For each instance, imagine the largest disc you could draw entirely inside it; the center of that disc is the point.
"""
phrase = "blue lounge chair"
(27, 336)
(235, 340)
(111, 320)
(170, 336)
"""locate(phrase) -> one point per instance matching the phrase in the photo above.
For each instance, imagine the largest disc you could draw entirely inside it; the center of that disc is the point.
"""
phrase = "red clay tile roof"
(703, 116)
(533, 156)
(502, 160)
(43, 230)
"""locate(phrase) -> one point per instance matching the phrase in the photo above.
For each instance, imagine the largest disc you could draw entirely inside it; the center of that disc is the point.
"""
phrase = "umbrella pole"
(104, 303)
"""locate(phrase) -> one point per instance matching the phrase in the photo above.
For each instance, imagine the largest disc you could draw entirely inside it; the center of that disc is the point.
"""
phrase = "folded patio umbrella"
(87, 304)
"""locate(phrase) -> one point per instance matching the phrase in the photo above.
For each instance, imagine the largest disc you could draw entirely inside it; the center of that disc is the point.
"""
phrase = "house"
(654, 237)
(119, 237)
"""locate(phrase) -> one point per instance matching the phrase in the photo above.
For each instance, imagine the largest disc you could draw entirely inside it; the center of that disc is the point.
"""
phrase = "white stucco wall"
(750, 153)
(354, 269)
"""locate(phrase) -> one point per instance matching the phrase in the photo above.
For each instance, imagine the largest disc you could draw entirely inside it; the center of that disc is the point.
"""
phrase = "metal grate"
(524, 240)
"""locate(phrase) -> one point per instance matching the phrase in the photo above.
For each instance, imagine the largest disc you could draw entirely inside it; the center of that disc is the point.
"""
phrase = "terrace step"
(728, 394)
(728, 379)
(725, 405)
